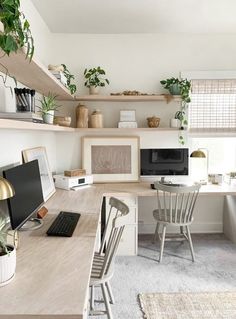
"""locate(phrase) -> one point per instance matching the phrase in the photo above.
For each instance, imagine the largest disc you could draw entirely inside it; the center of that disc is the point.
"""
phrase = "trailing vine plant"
(180, 87)
(69, 77)
(16, 33)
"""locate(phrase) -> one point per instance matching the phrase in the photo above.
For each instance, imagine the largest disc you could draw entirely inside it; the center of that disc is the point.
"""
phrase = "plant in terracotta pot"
(15, 32)
(94, 79)
(48, 108)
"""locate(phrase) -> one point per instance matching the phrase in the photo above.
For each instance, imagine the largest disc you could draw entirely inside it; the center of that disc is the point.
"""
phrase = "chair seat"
(162, 217)
(95, 278)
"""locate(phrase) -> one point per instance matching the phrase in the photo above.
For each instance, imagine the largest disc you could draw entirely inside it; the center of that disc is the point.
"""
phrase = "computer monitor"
(28, 197)
(164, 161)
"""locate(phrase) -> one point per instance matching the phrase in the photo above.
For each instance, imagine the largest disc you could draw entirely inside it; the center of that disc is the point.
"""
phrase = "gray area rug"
(213, 271)
(189, 305)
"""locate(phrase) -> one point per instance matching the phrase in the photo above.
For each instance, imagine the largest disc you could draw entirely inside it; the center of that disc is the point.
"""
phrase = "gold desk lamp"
(200, 154)
(7, 191)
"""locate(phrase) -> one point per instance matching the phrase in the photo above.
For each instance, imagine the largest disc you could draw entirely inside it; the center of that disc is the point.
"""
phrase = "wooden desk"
(52, 274)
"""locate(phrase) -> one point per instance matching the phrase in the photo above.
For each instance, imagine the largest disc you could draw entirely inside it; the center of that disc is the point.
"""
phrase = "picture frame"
(40, 154)
(111, 159)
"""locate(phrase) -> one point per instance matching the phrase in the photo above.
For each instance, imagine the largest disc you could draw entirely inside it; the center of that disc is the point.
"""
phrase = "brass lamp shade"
(198, 154)
(6, 189)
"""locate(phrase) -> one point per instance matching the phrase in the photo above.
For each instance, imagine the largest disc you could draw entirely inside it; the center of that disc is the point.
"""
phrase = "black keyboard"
(64, 224)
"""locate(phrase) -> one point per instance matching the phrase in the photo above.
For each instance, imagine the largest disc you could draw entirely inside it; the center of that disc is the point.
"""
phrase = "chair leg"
(109, 290)
(181, 230)
(190, 243)
(92, 298)
(162, 243)
(106, 301)
(156, 234)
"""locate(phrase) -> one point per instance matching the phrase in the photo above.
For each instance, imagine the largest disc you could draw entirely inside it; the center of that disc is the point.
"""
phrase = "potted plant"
(48, 108)
(94, 79)
(15, 31)
(69, 77)
(180, 87)
(7, 260)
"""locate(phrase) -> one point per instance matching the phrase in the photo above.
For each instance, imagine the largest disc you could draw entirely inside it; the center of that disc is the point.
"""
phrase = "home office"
(133, 60)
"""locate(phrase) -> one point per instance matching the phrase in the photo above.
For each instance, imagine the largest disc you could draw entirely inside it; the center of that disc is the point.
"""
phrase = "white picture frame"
(40, 154)
(111, 159)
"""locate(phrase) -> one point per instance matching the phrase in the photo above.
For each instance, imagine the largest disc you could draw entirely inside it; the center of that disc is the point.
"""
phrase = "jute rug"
(189, 305)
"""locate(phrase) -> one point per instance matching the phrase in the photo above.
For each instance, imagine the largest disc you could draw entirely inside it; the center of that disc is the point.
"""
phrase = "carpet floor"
(213, 271)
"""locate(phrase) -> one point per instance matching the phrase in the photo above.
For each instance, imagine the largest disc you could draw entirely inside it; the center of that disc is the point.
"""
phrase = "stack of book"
(22, 116)
(60, 76)
(127, 119)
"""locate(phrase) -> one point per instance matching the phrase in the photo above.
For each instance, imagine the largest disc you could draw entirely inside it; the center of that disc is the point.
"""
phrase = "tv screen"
(28, 197)
(164, 161)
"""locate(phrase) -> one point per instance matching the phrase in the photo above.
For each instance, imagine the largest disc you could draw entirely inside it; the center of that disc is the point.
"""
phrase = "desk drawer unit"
(128, 242)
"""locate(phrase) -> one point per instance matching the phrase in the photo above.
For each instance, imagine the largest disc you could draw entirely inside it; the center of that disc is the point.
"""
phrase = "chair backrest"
(117, 219)
(176, 203)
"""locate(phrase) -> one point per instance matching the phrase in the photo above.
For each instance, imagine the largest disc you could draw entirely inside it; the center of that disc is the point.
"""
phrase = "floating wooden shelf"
(34, 75)
(129, 98)
(116, 130)
(21, 125)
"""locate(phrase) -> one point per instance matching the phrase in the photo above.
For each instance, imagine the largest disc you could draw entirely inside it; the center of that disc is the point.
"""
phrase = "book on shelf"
(127, 124)
(22, 116)
(60, 76)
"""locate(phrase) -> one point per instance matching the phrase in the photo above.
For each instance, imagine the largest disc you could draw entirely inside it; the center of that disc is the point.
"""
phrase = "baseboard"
(195, 228)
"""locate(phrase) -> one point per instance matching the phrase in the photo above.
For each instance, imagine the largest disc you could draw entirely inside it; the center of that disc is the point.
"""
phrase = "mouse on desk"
(152, 186)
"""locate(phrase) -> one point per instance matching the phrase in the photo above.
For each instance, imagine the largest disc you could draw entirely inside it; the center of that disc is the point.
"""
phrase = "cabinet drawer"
(128, 242)
(128, 200)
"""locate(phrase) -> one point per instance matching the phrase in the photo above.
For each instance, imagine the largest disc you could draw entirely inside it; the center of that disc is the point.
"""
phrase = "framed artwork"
(111, 159)
(40, 154)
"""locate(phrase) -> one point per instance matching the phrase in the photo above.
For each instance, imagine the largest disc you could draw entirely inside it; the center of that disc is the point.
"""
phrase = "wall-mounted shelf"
(21, 125)
(129, 98)
(34, 75)
(117, 130)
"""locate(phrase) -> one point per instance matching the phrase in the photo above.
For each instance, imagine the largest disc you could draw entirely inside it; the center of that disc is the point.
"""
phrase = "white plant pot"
(175, 123)
(7, 267)
(48, 117)
(94, 90)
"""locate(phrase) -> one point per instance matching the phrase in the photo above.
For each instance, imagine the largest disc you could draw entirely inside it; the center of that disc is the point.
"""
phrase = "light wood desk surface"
(52, 274)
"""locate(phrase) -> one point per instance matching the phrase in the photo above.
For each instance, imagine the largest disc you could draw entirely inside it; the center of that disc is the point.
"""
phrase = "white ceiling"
(138, 16)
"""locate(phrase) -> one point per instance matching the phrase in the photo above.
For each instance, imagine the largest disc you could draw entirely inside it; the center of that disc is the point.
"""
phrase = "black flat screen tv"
(164, 161)
(28, 196)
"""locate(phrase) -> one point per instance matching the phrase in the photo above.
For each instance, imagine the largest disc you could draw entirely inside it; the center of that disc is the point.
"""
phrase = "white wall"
(132, 61)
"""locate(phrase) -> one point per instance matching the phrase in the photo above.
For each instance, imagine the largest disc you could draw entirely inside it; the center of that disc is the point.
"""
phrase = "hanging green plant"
(16, 32)
(69, 78)
(180, 87)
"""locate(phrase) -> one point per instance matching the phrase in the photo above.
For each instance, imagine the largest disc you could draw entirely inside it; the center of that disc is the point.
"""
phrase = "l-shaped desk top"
(52, 274)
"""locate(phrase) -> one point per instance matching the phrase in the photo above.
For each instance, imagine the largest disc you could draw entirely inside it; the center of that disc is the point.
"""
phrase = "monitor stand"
(32, 224)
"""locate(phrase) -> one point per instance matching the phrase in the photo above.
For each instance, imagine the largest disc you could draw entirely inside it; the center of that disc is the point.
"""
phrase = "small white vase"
(94, 90)
(48, 117)
(7, 266)
(175, 123)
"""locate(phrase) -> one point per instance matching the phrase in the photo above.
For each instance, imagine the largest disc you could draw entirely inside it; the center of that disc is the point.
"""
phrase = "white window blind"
(213, 105)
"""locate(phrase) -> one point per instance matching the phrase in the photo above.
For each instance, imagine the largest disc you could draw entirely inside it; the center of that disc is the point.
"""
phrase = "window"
(213, 105)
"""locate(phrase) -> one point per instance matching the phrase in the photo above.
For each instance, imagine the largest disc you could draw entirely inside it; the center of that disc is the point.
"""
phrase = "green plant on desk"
(3, 244)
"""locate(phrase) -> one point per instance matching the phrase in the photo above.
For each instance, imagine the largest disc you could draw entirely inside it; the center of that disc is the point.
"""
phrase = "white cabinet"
(129, 239)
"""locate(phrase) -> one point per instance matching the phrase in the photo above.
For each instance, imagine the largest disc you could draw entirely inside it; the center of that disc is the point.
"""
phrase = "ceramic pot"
(81, 116)
(175, 123)
(7, 266)
(174, 89)
(48, 117)
(94, 90)
(96, 119)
